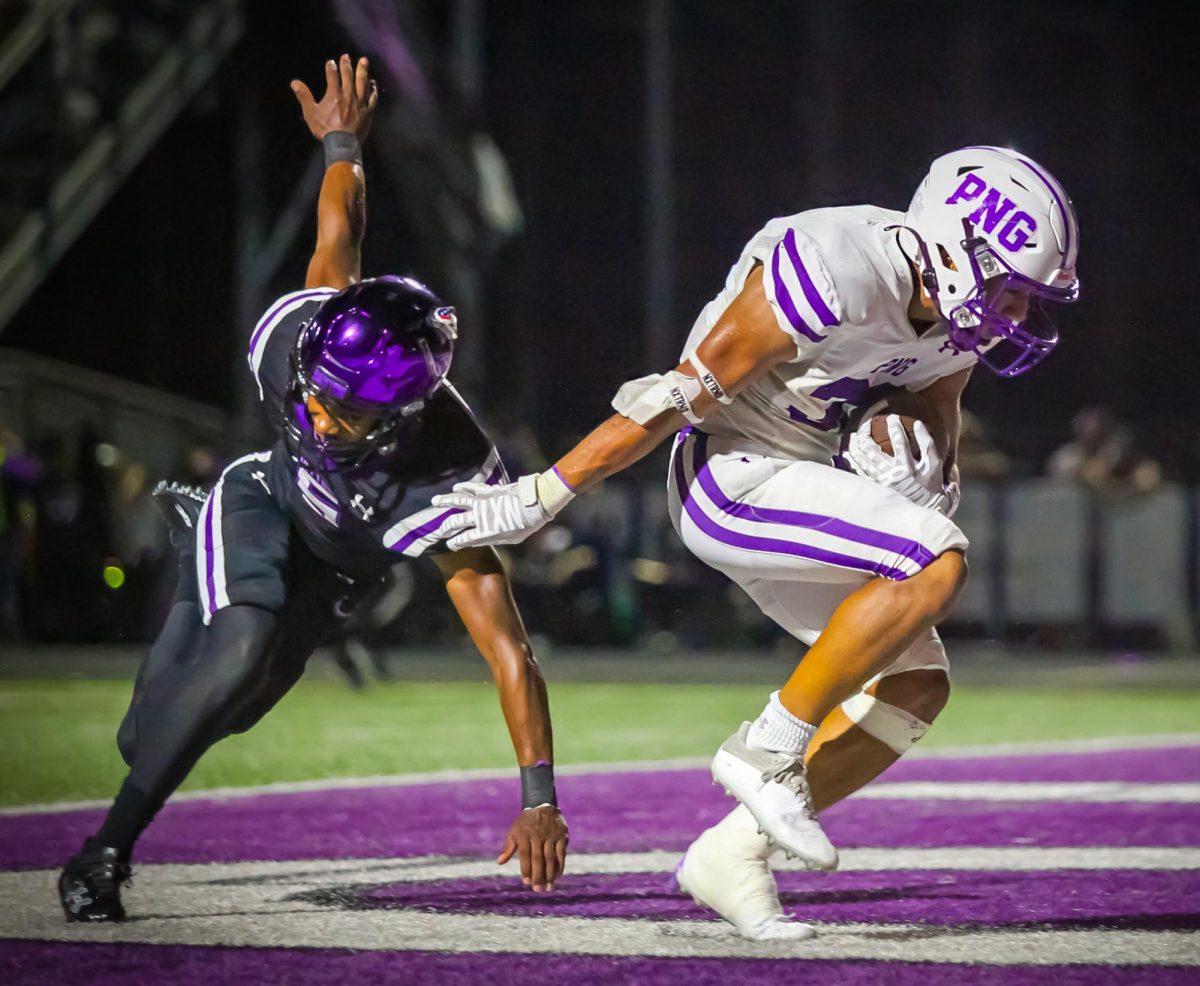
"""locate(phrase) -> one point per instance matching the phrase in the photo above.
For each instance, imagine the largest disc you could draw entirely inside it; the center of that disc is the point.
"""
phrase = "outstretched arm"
(341, 121)
(479, 588)
(744, 345)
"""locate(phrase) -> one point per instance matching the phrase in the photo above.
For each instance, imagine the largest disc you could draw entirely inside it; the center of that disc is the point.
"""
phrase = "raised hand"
(540, 836)
(348, 104)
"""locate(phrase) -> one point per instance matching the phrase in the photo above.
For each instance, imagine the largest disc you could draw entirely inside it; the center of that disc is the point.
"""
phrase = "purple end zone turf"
(1055, 899)
(608, 813)
(1161, 765)
(28, 963)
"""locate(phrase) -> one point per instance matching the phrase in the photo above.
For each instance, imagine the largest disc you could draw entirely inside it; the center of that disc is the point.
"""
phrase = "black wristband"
(341, 146)
(537, 785)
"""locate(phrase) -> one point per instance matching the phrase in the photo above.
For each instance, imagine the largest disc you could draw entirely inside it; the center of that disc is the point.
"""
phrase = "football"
(911, 408)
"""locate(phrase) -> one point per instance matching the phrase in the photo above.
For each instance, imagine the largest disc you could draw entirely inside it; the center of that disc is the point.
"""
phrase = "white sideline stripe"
(1094, 745)
(1099, 791)
(260, 908)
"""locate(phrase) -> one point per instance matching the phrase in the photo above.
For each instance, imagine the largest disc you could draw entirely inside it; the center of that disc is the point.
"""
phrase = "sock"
(130, 813)
(779, 731)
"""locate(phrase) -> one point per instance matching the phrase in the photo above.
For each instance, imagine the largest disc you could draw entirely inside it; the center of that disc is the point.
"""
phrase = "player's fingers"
(898, 437)
(374, 97)
(537, 866)
(510, 847)
(346, 74)
(361, 87)
(304, 95)
(333, 81)
(526, 861)
(469, 539)
(459, 522)
(552, 869)
(925, 441)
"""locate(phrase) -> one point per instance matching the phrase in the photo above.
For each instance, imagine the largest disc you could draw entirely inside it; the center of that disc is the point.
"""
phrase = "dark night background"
(778, 107)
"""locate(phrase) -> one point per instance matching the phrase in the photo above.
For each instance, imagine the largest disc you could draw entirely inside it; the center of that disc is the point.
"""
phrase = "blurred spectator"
(978, 458)
(19, 472)
(1104, 456)
(201, 466)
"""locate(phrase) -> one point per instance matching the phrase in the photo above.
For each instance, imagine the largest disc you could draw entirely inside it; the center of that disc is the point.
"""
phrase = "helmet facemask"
(326, 453)
(975, 324)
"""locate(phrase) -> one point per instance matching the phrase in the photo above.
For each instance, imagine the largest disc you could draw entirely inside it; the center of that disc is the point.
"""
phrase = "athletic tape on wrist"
(341, 146)
(553, 493)
(644, 399)
(890, 725)
(537, 785)
(708, 381)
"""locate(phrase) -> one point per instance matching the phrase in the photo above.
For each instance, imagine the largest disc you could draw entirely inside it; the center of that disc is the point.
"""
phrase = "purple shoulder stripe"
(784, 297)
(806, 282)
(288, 299)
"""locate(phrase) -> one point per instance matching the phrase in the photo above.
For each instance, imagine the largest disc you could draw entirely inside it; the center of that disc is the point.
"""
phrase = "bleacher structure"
(86, 89)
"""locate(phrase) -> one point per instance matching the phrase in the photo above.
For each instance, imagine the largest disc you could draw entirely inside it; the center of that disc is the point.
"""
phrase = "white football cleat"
(736, 882)
(774, 787)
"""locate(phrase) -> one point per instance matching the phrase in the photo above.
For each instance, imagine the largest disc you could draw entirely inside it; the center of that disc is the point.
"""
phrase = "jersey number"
(848, 390)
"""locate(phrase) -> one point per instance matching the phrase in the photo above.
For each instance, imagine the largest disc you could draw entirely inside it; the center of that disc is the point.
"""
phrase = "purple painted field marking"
(609, 812)
(29, 963)
(1151, 900)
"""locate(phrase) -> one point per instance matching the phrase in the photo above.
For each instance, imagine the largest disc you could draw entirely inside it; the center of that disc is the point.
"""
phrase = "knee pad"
(892, 726)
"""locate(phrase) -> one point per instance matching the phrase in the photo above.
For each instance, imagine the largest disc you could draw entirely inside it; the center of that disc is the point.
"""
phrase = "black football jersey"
(368, 517)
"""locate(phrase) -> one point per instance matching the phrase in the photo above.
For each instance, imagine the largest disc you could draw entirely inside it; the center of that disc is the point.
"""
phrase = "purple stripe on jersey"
(806, 282)
(771, 545)
(209, 560)
(784, 297)
(912, 550)
(280, 305)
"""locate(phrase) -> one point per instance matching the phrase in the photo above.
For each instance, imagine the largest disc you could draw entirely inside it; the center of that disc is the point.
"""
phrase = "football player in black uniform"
(353, 375)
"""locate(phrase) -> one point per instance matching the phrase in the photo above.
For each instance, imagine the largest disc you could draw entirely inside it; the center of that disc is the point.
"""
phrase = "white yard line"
(1097, 791)
(1097, 745)
(256, 905)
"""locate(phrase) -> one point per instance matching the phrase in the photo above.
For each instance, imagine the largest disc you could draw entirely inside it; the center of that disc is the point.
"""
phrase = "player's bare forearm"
(341, 220)
(344, 113)
(481, 593)
(744, 345)
(615, 445)
(946, 396)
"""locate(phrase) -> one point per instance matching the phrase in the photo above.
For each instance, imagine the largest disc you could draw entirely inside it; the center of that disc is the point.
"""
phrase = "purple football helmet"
(378, 349)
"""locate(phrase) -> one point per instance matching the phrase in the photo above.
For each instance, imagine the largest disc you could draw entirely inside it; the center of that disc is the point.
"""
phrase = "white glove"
(505, 514)
(918, 480)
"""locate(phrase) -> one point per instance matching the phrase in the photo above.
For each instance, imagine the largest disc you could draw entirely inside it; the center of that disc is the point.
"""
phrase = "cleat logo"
(78, 898)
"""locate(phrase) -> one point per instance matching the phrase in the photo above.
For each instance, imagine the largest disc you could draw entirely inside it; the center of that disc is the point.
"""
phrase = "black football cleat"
(180, 506)
(89, 886)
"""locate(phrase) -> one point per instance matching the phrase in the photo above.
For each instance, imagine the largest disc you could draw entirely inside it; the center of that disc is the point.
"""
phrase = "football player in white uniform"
(821, 310)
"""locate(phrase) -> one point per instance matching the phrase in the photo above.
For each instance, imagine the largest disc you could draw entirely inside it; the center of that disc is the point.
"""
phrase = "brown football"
(911, 408)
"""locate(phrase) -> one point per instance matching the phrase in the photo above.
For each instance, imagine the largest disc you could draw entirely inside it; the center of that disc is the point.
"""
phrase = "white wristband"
(553, 493)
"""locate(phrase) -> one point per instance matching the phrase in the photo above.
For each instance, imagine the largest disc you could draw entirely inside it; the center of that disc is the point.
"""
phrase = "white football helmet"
(986, 213)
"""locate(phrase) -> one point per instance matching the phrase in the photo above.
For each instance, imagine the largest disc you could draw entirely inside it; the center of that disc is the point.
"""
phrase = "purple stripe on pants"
(777, 546)
(784, 297)
(209, 556)
(806, 282)
(912, 550)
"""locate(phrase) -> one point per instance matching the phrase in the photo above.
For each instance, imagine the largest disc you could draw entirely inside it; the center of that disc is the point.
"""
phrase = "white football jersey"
(840, 288)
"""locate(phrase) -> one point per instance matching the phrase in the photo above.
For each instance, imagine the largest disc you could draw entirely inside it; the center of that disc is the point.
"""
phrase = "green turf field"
(56, 737)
